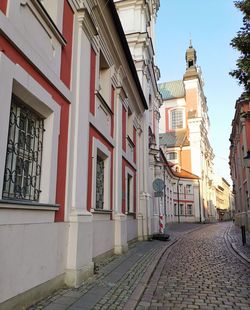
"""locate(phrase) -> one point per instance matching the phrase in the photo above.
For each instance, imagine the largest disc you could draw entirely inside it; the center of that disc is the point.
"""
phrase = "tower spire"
(190, 40)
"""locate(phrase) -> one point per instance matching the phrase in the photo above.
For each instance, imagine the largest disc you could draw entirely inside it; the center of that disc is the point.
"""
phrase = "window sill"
(130, 213)
(27, 205)
(98, 211)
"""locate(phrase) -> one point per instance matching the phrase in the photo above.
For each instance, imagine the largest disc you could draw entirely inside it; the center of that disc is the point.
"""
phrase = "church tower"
(185, 124)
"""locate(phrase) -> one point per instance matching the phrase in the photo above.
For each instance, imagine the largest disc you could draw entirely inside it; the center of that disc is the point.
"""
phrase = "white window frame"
(15, 80)
(101, 150)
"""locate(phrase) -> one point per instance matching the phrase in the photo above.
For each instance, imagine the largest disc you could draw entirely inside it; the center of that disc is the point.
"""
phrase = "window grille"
(22, 174)
(99, 182)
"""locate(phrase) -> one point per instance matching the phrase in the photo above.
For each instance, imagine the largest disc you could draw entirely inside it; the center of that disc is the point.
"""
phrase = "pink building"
(239, 160)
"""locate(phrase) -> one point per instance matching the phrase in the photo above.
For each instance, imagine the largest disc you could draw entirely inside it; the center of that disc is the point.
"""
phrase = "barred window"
(22, 174)
(99, 182)
(177, 119)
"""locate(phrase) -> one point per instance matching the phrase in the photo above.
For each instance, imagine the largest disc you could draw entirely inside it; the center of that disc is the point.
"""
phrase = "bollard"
(243, 234)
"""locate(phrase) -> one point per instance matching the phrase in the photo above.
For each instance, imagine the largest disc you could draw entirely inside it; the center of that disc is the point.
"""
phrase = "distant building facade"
(184, 128)
(224, 204)
(239, 160)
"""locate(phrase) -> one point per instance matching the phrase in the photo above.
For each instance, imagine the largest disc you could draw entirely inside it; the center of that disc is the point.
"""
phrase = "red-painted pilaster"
(62, 163)
(92, 81)
(124, 128)
(3, 6)
(123, 187)
(68, 17)
(134, 140)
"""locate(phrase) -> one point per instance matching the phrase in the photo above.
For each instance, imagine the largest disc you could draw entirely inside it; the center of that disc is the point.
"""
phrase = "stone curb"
(234, 247)
(136, 295)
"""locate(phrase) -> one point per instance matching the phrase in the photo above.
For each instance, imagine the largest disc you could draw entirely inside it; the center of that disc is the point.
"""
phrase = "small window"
(180, 188)
(181, 209)
(129, 193)
(177, 119)
(189, 189)
(22, 174)
(175, 209)
(190, 209)
(190, 63)
(104, 79)
(99, 183)
(172, 156)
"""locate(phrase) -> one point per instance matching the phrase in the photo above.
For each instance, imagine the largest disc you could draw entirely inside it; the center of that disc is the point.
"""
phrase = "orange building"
(184, 128)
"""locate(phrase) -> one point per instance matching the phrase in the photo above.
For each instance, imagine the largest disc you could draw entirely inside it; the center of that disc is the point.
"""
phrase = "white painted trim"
(14, 79)
(124, 155)
(24, 45)
(96, 124)
(97, 145)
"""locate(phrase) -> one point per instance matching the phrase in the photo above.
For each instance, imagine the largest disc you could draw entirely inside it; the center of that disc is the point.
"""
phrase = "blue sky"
(212, 24)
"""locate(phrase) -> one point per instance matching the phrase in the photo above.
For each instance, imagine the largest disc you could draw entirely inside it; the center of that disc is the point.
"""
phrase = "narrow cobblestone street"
(201, 267)
(199, 272)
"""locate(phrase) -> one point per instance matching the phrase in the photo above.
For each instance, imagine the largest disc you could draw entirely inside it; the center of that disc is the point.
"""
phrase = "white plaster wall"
(103, 234)
(9, 214)
(31, 254)
(31, 27)
(132, 228)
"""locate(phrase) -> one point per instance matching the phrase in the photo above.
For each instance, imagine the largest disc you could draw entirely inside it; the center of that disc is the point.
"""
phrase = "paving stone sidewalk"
(235, 239)
(117, 278)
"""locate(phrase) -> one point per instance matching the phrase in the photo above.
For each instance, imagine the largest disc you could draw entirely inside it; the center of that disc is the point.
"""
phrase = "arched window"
(177, 119)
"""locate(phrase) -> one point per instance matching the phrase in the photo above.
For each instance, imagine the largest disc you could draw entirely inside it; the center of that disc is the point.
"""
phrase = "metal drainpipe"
(199, 199)
(178, 197)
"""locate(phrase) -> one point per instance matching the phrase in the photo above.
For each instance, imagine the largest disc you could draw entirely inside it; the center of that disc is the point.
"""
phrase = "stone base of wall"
(26, 299)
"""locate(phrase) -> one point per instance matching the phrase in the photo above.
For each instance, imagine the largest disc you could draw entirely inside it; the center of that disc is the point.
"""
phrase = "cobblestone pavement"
(200, 271)
(235, 238)
(117, 279)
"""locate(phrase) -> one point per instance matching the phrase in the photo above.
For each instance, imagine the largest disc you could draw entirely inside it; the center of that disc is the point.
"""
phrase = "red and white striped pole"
(161, 223)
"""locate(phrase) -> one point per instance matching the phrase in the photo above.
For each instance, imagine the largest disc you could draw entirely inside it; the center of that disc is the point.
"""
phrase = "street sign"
(158, 194)
(158, 185)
